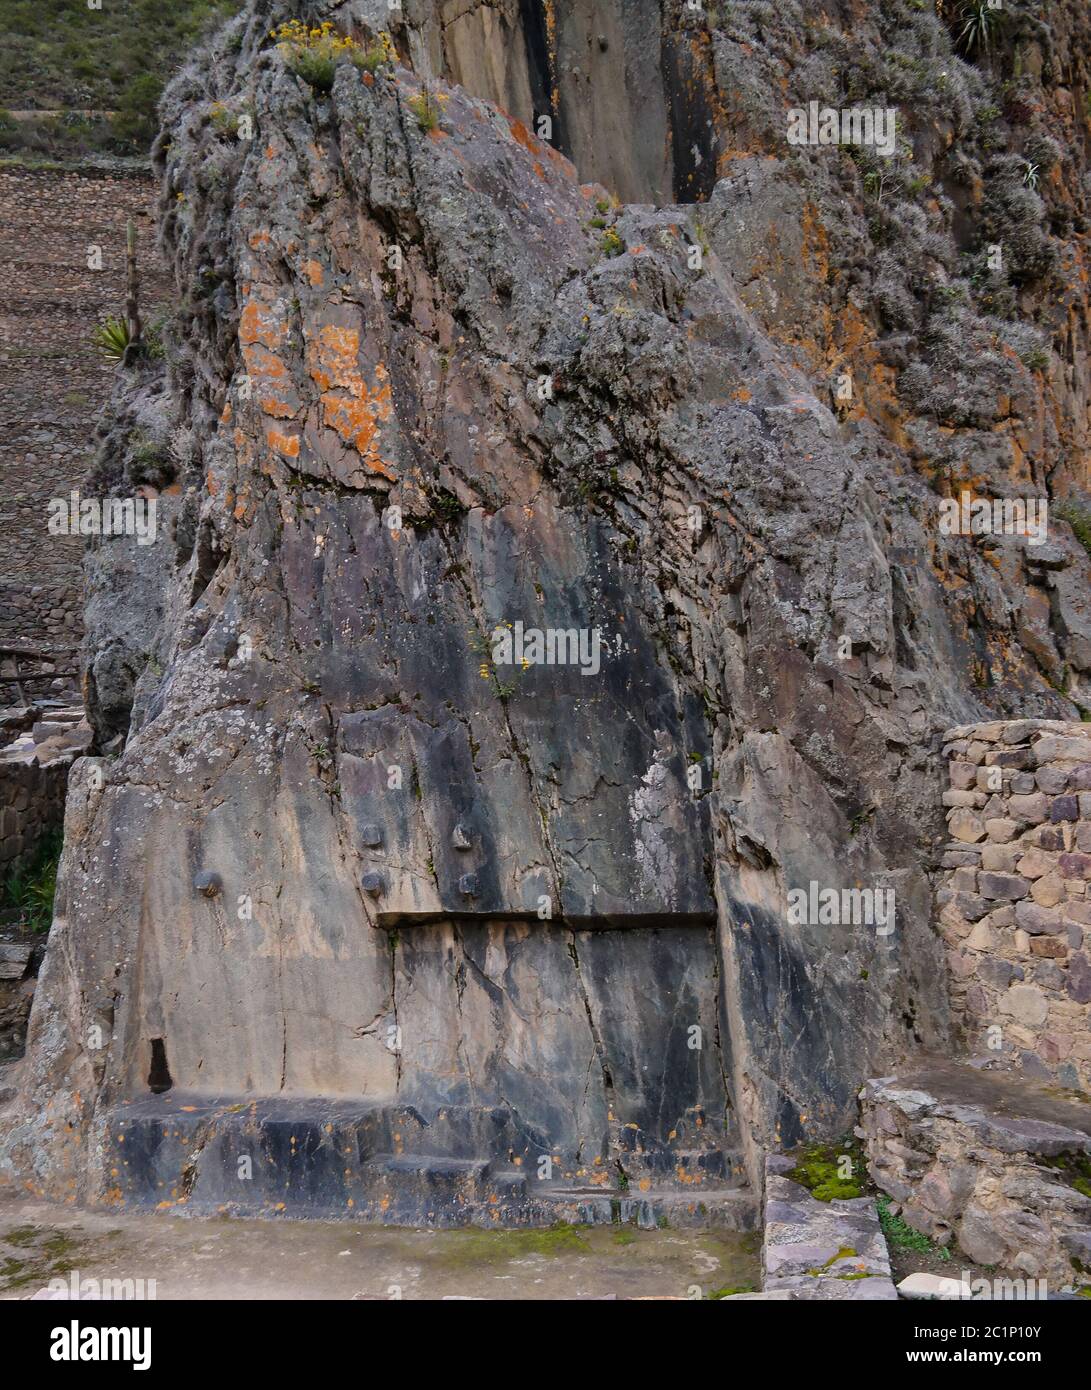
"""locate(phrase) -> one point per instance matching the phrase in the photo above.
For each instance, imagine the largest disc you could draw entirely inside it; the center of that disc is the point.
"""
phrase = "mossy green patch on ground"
(830, 1172)
(471, 1246)
(845, 1253)
(44, 1254)
(729, 1291)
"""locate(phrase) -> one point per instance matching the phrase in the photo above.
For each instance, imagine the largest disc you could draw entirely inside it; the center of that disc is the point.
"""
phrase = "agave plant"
(978, 22)
(112, 338)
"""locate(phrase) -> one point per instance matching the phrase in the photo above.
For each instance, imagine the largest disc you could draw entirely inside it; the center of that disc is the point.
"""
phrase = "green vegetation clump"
(611, 243)
(1079, 518)
(111, 338)
(111, 62)
(899, 1233)
(379, 54)
(425, 110)
(976, 25)
(48, 1254)
(1074, 1168)
(819, 1168)
(31, 888)
(313, 53)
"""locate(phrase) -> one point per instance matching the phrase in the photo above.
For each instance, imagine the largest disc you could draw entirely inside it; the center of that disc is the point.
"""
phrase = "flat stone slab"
(925, 1285)
(821, 1250)
(1013, 1112)
(14, 957)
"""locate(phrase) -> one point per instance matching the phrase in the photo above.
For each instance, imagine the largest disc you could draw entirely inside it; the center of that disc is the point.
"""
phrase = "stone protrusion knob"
(371, 836)
(206, 883)
(460, 837)
(372, 884)
(467, 885)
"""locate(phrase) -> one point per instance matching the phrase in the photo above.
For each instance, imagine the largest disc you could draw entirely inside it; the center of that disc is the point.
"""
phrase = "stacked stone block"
(1015, 907)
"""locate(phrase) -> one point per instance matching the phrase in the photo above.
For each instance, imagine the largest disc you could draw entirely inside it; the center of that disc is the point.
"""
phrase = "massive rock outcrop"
(424, 383)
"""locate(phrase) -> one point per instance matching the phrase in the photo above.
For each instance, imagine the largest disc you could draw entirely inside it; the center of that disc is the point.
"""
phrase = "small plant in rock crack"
(379, 54)
(426, 110)
(313, 53)
(1079, 518)
(611, 243)
(899, 1233)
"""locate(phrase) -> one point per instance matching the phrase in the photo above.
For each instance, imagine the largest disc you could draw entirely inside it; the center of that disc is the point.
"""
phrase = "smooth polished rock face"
(362, 841)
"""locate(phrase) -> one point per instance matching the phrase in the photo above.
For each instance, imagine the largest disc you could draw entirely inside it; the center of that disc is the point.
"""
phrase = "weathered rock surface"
(344, 853)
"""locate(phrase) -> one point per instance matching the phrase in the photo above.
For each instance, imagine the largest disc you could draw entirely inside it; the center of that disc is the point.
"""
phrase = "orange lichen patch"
(742, 393)
(225, 414)
(286, 444)
(350, 405)
(261, 362)
(537, 147)
(213, 488)
(356, 420)
(280, 410)
(258, 324)
(637, 250)
(259, 239)
(313, 271)
(522, 135)
(333, 355)
(816, 256)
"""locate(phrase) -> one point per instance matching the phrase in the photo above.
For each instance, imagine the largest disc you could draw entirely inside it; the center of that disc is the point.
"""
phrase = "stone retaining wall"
(52, 379)
(31, 805)
(985, 1162)
(1015, 909)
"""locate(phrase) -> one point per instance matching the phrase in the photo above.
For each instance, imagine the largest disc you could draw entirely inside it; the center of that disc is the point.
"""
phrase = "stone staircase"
(386, 1164)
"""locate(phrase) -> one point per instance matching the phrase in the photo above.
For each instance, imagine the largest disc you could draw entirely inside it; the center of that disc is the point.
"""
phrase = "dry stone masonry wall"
(52, 380)
(1015, 910)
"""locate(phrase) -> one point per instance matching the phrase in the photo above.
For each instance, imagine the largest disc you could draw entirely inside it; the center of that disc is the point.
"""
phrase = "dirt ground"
(194, 1258)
